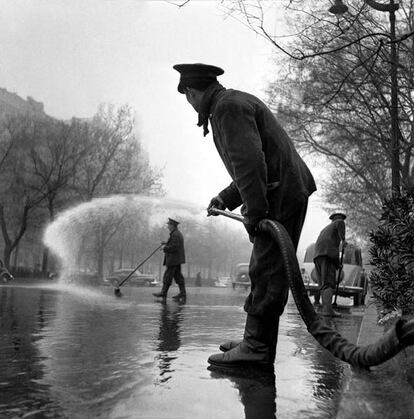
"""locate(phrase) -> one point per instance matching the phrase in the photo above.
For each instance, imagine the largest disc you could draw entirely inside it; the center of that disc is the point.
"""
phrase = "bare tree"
(48, 165)
(54, 163)
(338, 106)
(19, 199)
(114, 161)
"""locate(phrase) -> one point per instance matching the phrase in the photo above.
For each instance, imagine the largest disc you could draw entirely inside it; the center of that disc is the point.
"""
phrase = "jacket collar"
(206, 104)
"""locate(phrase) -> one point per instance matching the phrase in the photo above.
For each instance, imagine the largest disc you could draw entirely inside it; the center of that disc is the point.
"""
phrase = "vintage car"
(353, 282)
(137, 278)
(84, 276)
(222, 282)
(240, 276)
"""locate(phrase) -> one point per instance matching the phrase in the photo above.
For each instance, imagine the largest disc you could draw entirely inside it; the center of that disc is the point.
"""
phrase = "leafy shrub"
(392, 255)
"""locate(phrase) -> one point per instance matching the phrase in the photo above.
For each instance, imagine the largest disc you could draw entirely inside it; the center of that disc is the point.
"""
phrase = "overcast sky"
(73, 55)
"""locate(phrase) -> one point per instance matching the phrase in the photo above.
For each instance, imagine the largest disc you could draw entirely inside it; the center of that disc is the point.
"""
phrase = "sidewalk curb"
(370, 330)
(363, 391)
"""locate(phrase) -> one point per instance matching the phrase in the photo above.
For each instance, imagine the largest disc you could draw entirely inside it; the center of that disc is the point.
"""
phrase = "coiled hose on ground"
(397, 338)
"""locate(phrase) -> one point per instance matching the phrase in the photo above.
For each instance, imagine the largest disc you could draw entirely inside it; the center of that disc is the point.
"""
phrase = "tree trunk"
(10, 244)
(16, 252)
(100, 261)
(7, 254)
(121, 255)
(45, 260)
(99, 254)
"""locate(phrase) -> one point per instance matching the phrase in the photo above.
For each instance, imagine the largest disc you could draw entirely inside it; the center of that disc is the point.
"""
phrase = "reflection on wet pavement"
(168, 338)
(257, 389)
(89, 354)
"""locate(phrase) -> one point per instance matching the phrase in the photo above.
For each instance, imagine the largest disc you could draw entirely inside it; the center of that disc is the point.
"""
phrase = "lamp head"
(338, 8)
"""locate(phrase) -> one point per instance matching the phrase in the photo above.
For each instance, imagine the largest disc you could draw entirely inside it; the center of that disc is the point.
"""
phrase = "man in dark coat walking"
(326, 259)
(173, 259)
(270, 180)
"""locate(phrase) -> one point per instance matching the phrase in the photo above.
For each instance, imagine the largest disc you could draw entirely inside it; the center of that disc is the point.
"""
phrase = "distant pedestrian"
(173, 259)
(198, 279)
(326, 260)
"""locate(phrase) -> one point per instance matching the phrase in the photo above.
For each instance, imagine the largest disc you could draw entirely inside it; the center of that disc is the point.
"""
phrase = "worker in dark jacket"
(270, 180)
(326, 259)
(173, 259)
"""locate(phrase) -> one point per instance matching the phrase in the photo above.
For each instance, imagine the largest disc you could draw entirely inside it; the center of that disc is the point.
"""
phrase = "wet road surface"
(73, 353)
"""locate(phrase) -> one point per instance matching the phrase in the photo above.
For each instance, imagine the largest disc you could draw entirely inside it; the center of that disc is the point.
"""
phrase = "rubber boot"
(182, 295)
(327, 309)
(258, 346)
(230, 344)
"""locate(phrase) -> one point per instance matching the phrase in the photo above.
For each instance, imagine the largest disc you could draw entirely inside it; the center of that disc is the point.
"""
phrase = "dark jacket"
(174, 249)
(329, 239)
(269, 176)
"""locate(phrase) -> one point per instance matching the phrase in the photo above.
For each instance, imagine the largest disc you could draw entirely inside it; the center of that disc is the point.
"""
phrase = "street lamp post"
(339, 8)
(395, 146)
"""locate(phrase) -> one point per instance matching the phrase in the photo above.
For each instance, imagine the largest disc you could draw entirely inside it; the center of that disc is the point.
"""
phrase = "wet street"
(76, 353)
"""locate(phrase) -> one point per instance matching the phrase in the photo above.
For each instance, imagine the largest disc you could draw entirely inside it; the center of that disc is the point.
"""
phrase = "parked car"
(82, 276)
(137, 278)
(354, 281)
(240, 276)
(222, 282)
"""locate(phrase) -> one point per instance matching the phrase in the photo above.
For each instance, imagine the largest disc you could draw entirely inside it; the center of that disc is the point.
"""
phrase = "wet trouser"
(269, 284)
(325, 269)
(173, 272)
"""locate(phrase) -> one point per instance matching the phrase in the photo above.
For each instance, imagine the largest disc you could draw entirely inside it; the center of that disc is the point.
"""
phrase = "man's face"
(170, 227)
(193, 98)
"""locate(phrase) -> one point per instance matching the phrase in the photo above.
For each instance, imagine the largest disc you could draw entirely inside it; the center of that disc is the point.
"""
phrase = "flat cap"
(172, 222)
(197, 71)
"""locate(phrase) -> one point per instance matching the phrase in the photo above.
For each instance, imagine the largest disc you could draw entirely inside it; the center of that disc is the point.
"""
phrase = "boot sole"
(240, 364)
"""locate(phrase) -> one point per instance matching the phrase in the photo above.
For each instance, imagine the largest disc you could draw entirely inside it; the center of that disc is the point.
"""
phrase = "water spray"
(400, 336)
(117, 290)
(72, 233)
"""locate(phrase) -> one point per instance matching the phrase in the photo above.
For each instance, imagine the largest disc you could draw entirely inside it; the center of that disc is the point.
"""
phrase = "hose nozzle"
(216, 211)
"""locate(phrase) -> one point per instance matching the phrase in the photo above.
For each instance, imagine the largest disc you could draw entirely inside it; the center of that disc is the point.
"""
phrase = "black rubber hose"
(397, 338)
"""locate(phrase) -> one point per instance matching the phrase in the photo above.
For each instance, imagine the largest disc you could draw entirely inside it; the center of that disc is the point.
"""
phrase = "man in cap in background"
(326, 260)
(270, 180)
(173, 259)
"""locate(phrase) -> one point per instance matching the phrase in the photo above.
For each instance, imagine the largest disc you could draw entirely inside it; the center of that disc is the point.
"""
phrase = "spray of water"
(66, 236)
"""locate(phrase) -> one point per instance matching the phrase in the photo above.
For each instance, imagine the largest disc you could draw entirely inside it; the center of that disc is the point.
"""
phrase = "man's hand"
(250, 228)
(216, 202)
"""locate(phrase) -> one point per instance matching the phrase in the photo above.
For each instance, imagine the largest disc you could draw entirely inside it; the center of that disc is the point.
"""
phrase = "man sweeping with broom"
(174, 258)
(326, 260)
